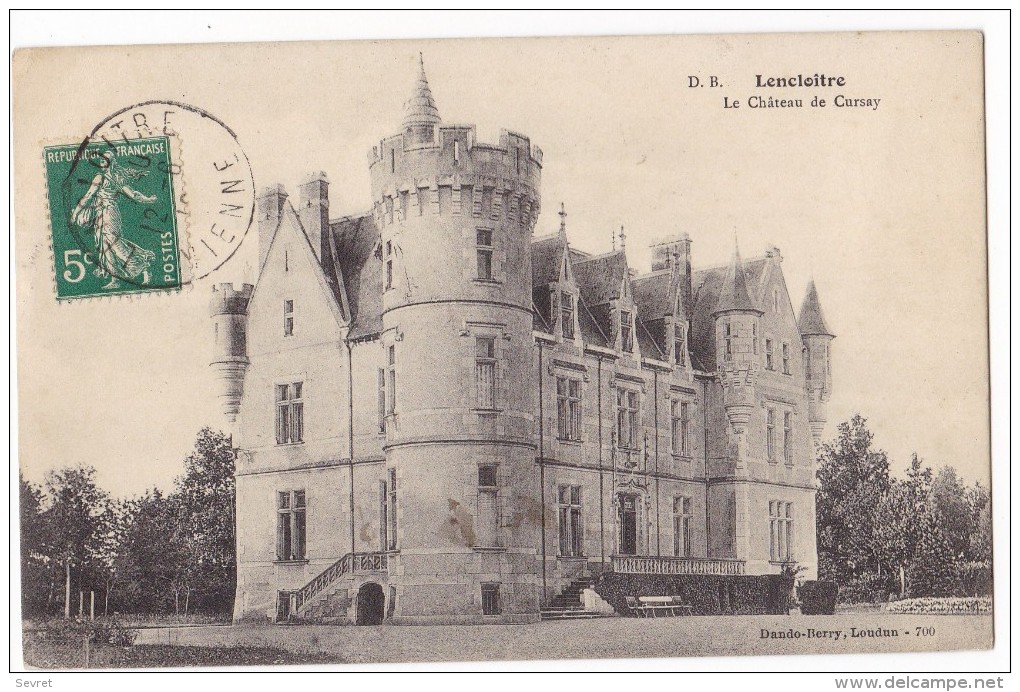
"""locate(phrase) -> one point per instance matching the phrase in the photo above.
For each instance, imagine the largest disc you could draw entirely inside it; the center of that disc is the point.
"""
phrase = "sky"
(883, 208)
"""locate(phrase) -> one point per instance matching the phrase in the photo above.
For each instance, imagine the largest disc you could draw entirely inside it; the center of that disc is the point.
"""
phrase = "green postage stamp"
(113, 218)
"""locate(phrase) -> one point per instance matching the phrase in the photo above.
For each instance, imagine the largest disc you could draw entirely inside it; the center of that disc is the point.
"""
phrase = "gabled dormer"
(565, 296)
(624, 315)
(678, 329)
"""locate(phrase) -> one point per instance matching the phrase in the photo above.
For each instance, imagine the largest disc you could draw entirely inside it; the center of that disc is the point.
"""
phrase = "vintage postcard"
(502, 349)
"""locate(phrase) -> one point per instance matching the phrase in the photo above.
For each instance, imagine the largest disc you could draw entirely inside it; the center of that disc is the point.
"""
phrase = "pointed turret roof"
(812, 321)
(421, 109)
(734, 296)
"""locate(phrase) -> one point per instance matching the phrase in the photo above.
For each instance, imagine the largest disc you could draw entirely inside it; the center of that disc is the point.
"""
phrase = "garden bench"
(653, 606)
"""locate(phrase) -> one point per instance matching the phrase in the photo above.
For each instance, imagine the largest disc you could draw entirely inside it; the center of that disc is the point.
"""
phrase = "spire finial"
(421, 108)
(623, 239)
(613, 237)
(563, 220)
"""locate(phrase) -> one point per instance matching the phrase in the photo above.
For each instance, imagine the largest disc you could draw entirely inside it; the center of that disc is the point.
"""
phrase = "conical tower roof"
(734, 296)
(421, 108)
(812, 321)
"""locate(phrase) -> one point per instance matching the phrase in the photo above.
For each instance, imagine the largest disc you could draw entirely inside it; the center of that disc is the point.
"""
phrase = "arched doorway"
(371, 604)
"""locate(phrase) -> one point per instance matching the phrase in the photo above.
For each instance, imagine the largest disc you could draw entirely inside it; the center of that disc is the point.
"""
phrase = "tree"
(75, 515)
(38, 577)
(953, 512)
(853, 479)
(979, 547)
(207, 518)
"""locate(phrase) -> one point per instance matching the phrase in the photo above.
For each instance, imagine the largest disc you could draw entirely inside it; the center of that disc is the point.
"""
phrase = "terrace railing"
(641, 564)
(348, 564)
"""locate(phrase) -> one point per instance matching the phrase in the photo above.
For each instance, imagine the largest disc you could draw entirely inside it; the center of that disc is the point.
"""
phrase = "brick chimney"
(270, 207)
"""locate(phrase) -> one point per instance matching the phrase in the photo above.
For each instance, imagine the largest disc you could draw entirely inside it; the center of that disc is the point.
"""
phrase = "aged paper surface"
(473, 316)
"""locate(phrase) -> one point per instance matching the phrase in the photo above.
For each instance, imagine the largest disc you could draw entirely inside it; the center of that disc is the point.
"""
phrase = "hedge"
(707, 594)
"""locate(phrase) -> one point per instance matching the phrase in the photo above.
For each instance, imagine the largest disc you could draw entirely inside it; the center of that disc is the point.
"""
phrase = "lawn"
(64, 656)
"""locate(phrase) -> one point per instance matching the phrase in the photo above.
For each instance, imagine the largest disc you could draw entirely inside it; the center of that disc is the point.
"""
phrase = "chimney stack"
(313, 209)
(270, 207)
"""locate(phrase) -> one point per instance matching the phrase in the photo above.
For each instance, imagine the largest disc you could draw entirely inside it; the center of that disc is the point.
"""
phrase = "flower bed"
(942, 606)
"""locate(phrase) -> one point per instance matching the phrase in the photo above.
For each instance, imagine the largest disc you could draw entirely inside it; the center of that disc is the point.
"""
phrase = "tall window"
(729, 341)
(483, 252)
(290, 413)
(828, 361)
(490, 599)
(754, 338)
(290, 525)
(781, 531)
(571, 539)
(568, 408)
(626, 333)
(389, 265)
(384, 521)
(382, 400)
(488, 509)
(485, 371)
(679, 345)
(786, 358)
(788, 437)
(288, 318)
(391, 510)
(770, 434)
(683, 517)
(770, 357)
(627, 418)
(681, 414)
(391, 372)
(567, 314)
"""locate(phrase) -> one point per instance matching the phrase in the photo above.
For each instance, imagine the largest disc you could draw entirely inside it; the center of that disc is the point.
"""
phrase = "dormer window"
(567, 314)
(679, 345)
(626, 332)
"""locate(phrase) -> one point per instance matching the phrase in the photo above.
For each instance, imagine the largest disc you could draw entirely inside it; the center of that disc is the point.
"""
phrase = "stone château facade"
(441, 417)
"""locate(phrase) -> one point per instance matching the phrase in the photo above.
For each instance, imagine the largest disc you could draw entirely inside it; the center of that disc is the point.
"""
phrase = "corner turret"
(817, 360)
(229, 311)
(736, 328)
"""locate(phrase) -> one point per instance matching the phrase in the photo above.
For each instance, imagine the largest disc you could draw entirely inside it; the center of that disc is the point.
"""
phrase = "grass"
(64, 656)
(146, 620)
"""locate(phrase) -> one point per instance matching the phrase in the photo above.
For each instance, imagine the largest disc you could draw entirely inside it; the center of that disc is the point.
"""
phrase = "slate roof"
(706, 288)
(812, 321)
(733, 294)
(599, 278)
(347, 252)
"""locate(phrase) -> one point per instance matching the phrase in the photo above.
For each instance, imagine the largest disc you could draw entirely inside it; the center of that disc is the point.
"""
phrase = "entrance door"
(628, 525)
(370, 606)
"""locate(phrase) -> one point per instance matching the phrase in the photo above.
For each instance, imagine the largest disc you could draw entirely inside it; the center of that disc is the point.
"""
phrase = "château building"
(441, 416)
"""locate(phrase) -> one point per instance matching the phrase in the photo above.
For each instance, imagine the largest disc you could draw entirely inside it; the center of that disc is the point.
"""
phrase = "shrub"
(867, 588)
(98, 631)
(974, 579)
(818, 597)
(942, 606)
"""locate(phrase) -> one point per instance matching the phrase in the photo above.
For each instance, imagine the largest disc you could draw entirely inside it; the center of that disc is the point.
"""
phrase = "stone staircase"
(567, 605)
(326, 597)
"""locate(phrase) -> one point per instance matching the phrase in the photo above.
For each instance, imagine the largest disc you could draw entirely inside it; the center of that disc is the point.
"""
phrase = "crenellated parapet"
(454, 175)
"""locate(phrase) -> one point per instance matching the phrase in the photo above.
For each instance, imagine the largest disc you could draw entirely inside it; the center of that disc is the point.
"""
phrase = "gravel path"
(605, 638)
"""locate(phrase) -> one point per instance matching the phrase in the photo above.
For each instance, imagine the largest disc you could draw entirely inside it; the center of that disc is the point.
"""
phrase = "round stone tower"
(229, 312)
(456, 218)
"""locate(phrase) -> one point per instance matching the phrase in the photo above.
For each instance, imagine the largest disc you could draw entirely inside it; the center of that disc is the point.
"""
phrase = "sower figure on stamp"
(115, 256)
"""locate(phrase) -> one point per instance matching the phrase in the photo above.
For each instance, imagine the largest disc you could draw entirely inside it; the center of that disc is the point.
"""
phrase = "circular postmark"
(158, 195)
